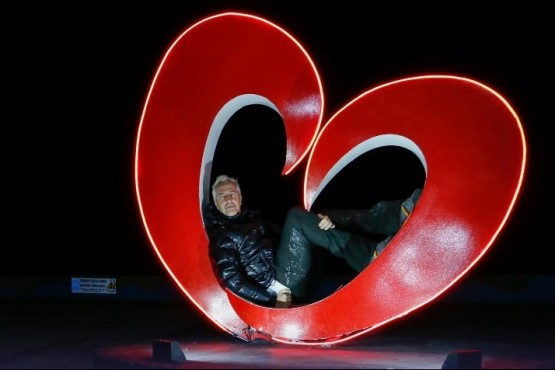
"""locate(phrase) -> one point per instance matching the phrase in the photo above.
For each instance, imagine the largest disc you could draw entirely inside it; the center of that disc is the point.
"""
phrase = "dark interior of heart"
(252, 148)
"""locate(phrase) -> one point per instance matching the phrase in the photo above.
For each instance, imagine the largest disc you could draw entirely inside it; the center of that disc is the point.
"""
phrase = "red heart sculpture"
(468, 137)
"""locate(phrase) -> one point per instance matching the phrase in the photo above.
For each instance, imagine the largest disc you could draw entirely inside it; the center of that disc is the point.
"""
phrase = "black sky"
(75, 80)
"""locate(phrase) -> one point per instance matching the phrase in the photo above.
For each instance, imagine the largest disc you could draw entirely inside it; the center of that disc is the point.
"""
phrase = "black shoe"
(408, 205)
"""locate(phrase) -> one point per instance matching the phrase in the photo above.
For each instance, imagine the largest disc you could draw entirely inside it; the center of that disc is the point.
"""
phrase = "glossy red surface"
(468, 137)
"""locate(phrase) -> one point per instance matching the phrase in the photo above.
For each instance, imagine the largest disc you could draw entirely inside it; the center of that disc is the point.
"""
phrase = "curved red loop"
(212, 70)
(472, 146)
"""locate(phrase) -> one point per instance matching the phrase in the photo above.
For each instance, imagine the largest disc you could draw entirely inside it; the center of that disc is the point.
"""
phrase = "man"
(270, 265)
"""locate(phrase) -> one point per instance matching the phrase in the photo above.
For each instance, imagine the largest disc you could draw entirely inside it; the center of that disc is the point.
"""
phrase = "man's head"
(226, 193)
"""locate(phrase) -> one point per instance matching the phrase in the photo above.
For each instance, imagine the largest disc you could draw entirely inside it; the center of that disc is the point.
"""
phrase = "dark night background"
(75, 79)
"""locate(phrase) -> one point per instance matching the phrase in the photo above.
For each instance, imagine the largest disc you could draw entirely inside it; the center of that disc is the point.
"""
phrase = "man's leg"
(300, 239)
(301, 236)
(383, 218)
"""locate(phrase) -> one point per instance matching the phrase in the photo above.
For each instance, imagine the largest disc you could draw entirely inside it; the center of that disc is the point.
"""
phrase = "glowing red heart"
(467, 136)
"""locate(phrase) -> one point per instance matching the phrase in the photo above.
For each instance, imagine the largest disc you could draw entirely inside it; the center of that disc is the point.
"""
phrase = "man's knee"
(296, 215)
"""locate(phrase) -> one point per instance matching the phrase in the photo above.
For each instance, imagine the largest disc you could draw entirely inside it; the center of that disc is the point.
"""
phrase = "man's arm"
(231, 273)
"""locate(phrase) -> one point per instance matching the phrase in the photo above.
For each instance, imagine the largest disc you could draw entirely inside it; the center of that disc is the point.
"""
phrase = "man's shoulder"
(210, 216)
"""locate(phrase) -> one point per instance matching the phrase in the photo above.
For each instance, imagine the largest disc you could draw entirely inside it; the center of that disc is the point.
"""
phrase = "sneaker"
(380, 247)
(408, 205)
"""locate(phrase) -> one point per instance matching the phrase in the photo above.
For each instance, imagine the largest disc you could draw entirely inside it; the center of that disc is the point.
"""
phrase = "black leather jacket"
(242, 252)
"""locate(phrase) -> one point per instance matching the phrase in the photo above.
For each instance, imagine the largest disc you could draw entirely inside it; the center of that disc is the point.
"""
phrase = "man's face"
(228, 199)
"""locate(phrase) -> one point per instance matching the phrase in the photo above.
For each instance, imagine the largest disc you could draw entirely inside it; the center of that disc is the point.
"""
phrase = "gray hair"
(221, 179)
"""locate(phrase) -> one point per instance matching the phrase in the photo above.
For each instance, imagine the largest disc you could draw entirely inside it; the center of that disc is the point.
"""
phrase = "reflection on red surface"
(467, 136)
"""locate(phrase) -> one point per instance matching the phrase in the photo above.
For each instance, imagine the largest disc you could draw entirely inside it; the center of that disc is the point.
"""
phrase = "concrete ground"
(96, 333)
(499, 322)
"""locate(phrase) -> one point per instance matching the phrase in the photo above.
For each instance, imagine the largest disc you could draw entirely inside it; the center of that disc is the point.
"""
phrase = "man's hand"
(283, 299)
(325, 222)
